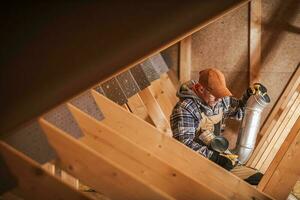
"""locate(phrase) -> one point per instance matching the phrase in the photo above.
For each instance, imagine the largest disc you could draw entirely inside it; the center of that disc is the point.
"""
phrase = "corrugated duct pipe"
(250, 126)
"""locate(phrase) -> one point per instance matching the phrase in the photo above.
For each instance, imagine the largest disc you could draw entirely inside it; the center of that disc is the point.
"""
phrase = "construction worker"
(197, 119)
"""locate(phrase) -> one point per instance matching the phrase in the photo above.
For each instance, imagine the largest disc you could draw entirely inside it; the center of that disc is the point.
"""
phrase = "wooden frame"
(34, 182)
(104, 175)
(155, 112)
(255, 41)
(275, 125)
(213, 178)
(135, 159)
(284, 170)
(185, 59)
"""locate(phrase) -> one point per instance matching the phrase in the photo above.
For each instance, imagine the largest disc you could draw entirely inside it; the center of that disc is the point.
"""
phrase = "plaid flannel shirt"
(186, 116)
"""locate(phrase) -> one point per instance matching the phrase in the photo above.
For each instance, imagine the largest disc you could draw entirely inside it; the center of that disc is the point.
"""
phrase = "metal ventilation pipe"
(250, 126)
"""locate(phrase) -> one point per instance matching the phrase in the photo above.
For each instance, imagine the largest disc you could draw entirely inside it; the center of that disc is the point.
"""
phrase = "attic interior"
(88, 89)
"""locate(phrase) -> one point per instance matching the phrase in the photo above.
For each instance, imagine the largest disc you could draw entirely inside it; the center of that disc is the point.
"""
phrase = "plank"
(169, 88)
(155, 112)
(49, 167)
(276, 132)
(126, 107)
(276, 112)
(255, 41)
(185, 59)
(175, 153)
(285, 131)
(33, 181)
(280, 154)
(284, 171)
(139, 161)
(138, 108)
(161, 97)
(70, 180)
(264, 142)
(172, 75)
(105, 176)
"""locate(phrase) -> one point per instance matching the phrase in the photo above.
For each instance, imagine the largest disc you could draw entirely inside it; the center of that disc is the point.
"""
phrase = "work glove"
(256, 88)
(254, 179)
(221, 160)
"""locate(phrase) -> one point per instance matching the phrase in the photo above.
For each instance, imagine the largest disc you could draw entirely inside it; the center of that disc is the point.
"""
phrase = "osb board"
(31, 141)
(224, 45)
(280, 45)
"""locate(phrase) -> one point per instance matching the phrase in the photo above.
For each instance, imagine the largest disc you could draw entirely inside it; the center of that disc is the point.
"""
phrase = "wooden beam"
(280, 132)
(255, 41)
(161, 97)
(155, 111)
(70, 180)
(175, 153)
(139, 161)
(289, 121)
(271, 134)
(185, 59)
(169, 88)
(101, 63)
(173, 77)
(276, 115)
(96, 170)
(49, 167)
(33, 181)
(138, 108)
(284, 171)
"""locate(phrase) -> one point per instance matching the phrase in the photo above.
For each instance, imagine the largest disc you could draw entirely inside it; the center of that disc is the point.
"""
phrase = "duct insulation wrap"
(250, 126)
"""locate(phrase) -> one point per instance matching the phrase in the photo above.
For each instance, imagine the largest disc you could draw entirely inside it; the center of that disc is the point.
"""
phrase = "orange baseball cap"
(214, 81)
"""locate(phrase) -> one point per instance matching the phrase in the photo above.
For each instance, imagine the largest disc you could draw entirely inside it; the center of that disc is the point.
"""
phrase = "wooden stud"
(289, 119)
(174, 78)
(155, 111)
(255, 41)
(96, 170)
(274, 132)
(161, 97)
(175, 153)
(284, 171)
(185, 59)
(33, 181)
(168, 87)
(70, 180)
(277, 114)
(139, 161)
(49, 167)
(137, 107)
(289, 124)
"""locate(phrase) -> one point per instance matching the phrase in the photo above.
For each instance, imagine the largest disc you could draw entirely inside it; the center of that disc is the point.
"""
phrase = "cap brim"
(221, 92)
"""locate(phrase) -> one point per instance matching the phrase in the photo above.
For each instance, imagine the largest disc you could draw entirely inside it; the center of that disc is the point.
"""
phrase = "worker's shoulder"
(187, 104)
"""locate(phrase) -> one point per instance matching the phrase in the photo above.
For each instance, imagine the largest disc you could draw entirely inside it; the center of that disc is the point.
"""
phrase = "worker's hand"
(221, 160)
(257, 88)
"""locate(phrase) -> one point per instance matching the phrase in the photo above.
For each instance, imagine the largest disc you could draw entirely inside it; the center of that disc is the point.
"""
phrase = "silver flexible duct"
(250, 126)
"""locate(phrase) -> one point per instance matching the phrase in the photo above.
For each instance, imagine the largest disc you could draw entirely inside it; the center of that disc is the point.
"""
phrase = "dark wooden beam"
(51, 52)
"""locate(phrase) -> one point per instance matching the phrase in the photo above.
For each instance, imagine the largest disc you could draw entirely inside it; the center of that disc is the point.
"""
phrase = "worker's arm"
(233, 107)
(184, 121)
